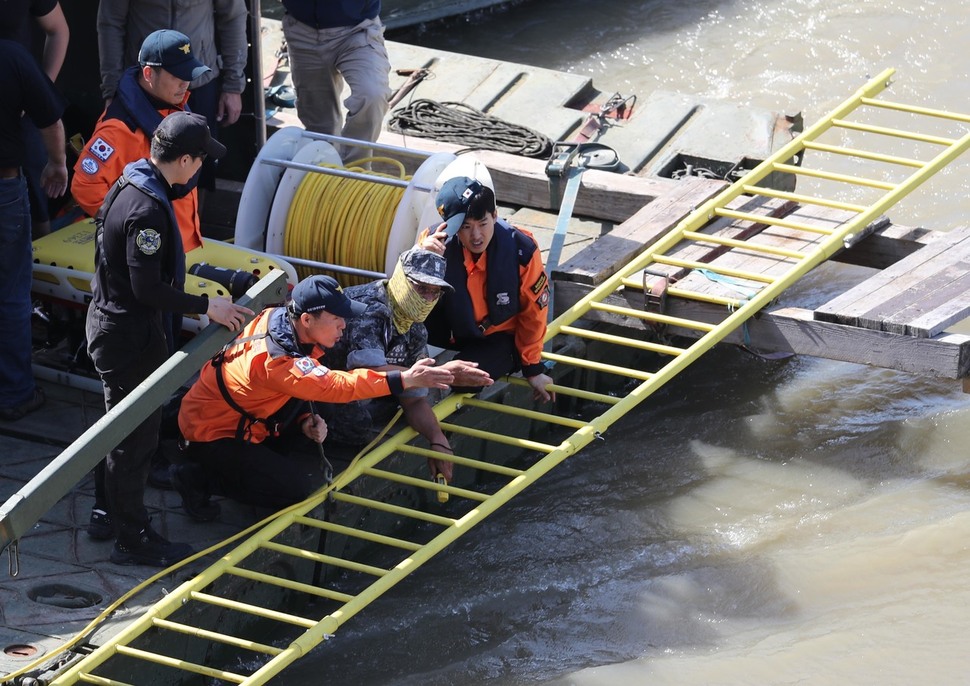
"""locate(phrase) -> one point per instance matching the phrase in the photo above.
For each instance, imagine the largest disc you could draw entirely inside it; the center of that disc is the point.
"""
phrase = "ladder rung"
(256, 610)
(458, 460)
(289, 583)
(498, 438)
(622, 340)
(180, 628)
(324, 559)
(358, 533)
(742, 245)
(184, 665)
(865, 154)
(729, 303)
(651, 316)
(569, 391)
(895, 133)
(771, 221)
(411, 513)
(832, 176)
(424, 483)
(724, 271)
(914, 109)
(598, 366)
(545, 417)
(803, 199)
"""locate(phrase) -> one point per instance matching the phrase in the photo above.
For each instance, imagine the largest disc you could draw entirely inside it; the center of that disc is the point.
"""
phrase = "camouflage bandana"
(407, 306)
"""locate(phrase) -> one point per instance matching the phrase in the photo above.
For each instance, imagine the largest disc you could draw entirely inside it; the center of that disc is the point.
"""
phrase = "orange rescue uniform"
(112, 146)
(261, 383)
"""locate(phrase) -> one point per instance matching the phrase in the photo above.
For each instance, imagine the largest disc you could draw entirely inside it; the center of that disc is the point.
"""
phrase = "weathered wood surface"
(627, 240)
(794, 330)
(919, 296)
(523, 181)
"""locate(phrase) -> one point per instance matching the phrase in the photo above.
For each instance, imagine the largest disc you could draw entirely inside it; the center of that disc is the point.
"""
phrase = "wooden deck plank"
(921, 293)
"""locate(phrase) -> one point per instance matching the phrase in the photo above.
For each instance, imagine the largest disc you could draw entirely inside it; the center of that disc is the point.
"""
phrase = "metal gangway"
(160, 638)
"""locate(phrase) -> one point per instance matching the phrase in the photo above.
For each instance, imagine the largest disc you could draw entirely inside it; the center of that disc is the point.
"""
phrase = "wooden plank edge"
(794, 330)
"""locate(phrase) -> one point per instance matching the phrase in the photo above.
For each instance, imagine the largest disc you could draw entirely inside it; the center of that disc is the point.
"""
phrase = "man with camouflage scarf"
(391, 335)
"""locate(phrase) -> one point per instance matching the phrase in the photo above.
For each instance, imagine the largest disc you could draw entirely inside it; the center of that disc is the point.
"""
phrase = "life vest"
(508, 250)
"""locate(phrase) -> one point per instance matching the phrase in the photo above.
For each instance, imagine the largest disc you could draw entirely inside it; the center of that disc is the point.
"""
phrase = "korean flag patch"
(304, 364)
(101, 149)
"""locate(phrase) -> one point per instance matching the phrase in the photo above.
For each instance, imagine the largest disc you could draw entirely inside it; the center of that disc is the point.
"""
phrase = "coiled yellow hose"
(343, 221)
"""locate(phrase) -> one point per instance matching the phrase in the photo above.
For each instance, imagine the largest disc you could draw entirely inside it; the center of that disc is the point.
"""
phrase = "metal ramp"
(168, 633)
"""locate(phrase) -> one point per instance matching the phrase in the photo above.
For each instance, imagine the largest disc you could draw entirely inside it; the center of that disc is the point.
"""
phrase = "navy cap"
(453, 200)
(425, 267)
(319, 293)
(187, 133)
(171, 50)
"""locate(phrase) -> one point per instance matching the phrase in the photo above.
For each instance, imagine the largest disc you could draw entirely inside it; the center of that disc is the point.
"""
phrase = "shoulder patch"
(89, 165)
(101, 149)
(543, 300)
(148, 241)
(304, 365)
(540, 283)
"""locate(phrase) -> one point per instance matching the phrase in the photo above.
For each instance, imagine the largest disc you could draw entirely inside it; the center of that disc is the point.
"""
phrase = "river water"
(756, 522)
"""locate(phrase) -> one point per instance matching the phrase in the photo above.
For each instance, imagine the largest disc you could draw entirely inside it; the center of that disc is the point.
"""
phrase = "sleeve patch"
(543, 300)
(304, 365)
(540, 283)
(148, 241)
(90, 166)
(101, 149)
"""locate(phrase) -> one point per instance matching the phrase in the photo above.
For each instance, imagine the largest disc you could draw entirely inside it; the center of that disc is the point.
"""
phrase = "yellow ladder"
(171, 623)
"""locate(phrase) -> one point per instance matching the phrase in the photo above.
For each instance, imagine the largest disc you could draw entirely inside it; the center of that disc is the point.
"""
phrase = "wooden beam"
(523, 181)
(794, 330)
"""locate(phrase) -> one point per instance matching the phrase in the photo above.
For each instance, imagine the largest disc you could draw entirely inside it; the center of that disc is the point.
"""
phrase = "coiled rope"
(343, 221)
(456, 122)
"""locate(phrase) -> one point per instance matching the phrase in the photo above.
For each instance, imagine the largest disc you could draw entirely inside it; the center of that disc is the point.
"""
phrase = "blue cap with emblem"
(323, 293)
(171, 50)
(453, 201)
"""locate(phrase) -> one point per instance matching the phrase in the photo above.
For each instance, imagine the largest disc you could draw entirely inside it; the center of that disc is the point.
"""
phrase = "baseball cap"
(317, 293)
(453, 200)
(425, 266)
(171, 50)
(187, 133)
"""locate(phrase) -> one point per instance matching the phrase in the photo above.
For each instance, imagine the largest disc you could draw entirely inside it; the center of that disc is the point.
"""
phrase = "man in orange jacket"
(146, 94)
(234, 418)
(496, 313)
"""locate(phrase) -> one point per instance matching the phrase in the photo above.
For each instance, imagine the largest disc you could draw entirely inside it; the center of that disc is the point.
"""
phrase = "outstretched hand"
(467, 373)
(423, 374)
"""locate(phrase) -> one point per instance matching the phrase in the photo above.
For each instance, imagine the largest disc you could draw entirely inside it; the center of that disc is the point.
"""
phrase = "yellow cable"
(343, 221)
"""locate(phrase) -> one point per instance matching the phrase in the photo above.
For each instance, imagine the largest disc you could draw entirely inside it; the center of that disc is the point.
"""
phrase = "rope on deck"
(455, 122)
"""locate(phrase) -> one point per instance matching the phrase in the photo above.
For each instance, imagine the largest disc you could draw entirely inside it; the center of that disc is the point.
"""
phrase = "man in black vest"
(140, 274)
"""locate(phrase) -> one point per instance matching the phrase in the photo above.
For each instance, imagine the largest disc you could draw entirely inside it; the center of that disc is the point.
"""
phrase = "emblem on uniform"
(89, 166)
(543, 300)
(101, 149)
(502, 299)
(539, 284)
(148, 241)
(304, 364)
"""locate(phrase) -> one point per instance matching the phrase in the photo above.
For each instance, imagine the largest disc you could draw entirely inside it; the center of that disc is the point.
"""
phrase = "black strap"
(246, 420)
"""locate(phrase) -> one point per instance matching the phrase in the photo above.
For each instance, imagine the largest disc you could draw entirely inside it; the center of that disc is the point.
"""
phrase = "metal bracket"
(655, 291)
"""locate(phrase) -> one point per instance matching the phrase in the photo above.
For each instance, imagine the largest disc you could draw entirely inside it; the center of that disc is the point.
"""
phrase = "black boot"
(150, 549)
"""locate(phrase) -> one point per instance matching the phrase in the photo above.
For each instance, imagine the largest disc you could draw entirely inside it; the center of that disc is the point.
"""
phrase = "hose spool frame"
(279, 175)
